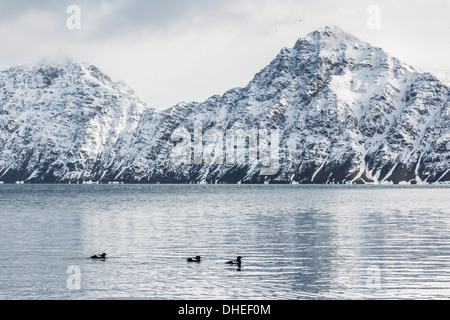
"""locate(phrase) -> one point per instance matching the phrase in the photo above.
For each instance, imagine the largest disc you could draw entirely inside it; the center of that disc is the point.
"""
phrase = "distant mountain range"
(332, 109)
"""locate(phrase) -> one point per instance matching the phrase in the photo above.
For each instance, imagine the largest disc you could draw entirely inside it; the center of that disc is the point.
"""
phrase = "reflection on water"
(298, 242)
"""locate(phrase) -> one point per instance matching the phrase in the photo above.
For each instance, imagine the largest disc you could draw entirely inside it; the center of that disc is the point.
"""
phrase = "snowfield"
(346, 112)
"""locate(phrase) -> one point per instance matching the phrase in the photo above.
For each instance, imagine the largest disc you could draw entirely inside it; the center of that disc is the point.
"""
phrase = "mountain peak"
(330, 38)
(333, 29)
(346, 112)
(332, 33)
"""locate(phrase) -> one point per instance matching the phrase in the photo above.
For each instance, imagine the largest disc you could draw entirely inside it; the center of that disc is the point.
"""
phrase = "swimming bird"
(102, 256)
(196, 259)
(237, 261)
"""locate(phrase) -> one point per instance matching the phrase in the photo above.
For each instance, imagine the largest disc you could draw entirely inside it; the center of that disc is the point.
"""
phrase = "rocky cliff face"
(64, 122)
(332, 109)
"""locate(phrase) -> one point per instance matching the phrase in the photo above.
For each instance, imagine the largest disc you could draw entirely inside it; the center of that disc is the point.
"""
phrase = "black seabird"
(102, 256)
(196, 259)
(237, 261)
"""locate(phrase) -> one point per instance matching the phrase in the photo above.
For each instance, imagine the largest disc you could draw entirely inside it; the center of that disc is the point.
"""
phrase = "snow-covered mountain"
(332, 109)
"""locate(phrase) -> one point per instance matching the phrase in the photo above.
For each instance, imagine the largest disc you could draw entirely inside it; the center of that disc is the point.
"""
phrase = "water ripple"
(298, 242)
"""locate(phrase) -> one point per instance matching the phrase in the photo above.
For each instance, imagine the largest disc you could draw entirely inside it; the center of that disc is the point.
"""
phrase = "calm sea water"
(298, 242)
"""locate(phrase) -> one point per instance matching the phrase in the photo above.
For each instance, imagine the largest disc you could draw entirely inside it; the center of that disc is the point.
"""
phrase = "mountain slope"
(64, 122)
(345, 112)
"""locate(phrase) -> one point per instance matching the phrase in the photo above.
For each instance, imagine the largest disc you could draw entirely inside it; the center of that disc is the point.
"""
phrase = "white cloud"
(171, 51)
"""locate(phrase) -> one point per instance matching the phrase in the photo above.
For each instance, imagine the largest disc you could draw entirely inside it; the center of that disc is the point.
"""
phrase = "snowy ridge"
(347, 112)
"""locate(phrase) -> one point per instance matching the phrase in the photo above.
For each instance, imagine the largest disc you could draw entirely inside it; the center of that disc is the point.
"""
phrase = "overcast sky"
(187, 50)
